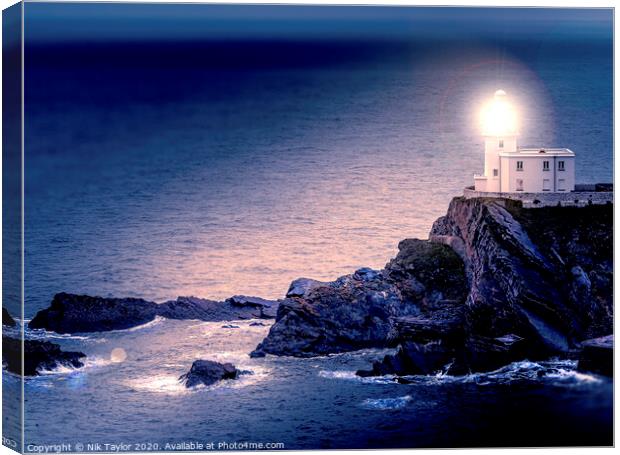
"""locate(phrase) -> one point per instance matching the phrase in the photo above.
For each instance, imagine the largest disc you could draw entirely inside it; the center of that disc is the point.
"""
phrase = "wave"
(158, 320)
(42, 334)
(89, 363)
(555, 372)
(350, 375)
(163, 384)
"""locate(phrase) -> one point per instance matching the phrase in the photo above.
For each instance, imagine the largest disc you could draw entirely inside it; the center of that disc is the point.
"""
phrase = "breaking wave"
(89, 363)
(555, 372)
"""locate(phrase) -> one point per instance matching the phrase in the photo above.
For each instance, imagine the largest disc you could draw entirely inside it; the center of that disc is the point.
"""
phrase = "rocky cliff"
(494, 283)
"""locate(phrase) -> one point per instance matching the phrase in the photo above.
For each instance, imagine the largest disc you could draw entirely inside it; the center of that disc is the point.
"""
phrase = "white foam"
(158, 320)
(351, 376)
(385, 404)
(89, 363)
(163, 383)
(558, 372)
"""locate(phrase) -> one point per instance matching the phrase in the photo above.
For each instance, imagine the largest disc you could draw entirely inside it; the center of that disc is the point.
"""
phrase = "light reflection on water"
(293, 184)
(301, 402)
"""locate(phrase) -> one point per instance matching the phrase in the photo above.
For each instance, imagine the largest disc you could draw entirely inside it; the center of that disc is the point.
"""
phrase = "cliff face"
(544, 274)
(530, 283)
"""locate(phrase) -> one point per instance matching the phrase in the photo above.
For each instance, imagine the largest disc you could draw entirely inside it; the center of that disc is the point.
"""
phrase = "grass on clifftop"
(433, 264)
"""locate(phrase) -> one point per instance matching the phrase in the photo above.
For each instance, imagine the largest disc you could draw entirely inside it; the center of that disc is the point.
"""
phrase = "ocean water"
(233, 166)
(299, 403)
(241, 180)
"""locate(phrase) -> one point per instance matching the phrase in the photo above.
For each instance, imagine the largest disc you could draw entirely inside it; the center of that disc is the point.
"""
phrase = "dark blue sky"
(54, 22)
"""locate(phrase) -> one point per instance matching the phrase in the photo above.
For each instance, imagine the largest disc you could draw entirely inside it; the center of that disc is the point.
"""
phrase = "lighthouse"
(509, 168)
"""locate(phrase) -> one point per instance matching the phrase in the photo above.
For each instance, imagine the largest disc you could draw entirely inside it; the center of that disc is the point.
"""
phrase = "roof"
(540, 152)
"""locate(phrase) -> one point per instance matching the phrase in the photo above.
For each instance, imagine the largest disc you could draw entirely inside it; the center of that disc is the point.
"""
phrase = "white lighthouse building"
(509, 168)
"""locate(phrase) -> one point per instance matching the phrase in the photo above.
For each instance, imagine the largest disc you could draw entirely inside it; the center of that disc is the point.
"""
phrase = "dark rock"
(213, 311)
(597, 356)
(366, 274)
(38, 355)
(257, 324)
(208, 372)
(7, 320)
(245, 301)
(487, 354)
(446, 326)
(257, 354)
(302, 286)
(418, 359)
(70, 313)
(230, 326)
(267, 308)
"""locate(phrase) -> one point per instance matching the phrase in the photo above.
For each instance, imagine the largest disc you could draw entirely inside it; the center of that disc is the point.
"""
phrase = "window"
(519, 184)
(561, 185)
(560, 165)
(519, 165)
(546, 185)
(495, 172)
(501, 143)
(545, 165)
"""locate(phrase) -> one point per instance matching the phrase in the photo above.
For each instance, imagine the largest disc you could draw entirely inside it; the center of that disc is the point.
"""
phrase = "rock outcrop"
(597, 356)
(208, 372)
(71, 313)
(38, 356)
(357, 311)
(7, 319)
(495, 283)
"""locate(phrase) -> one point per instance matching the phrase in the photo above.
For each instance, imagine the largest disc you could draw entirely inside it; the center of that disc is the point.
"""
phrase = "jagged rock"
(38, 355)
(356, 311)
(7, 320)
(366, 274)
(211, 310)
(544, 274)
(418, 358)
(446, 326)
(208, 372)
(267, 308)
(301, 286)
(486, 354)
(70, 313)
(597, 356)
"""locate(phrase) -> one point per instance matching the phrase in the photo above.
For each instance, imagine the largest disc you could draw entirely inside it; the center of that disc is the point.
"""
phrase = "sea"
(215, 166)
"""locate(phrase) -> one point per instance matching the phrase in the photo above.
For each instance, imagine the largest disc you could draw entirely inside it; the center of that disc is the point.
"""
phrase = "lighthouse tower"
(500, 136)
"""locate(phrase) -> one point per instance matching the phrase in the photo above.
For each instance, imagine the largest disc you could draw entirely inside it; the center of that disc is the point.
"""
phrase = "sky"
(54, 22)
